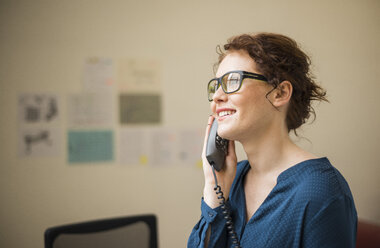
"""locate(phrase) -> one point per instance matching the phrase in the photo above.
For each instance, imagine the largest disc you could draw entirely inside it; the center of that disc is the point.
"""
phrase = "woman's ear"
(282, 94)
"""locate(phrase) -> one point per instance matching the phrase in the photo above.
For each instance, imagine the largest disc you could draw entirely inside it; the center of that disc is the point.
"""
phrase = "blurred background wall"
(43, 45)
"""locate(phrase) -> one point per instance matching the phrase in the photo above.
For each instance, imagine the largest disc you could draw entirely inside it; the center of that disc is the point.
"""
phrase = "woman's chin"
(225, 133)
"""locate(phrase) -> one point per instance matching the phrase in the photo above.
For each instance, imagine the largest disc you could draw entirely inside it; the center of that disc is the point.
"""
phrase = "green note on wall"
(90, 146)
(140, 108)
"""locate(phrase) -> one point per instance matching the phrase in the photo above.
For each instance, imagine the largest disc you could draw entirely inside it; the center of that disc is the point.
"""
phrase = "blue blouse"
(310, 206)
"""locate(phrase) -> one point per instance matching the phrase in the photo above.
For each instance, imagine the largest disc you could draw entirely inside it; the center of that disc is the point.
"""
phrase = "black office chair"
(127, 232)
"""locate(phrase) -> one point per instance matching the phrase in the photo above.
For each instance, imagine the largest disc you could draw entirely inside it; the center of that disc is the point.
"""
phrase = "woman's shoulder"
(323, 190)
(318, 180)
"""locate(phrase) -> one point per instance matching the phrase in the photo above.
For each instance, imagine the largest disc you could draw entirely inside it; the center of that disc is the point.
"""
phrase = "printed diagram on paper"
(39, 135)
(38, 109)
(40, 142)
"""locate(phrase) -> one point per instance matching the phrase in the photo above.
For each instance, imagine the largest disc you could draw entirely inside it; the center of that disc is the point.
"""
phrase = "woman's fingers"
(210, 121)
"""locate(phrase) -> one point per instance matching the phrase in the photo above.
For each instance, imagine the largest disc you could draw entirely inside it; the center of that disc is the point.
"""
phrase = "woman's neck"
(273, 151)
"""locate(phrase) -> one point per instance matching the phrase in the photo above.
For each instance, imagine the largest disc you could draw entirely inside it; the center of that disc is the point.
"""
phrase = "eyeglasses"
(231, 82)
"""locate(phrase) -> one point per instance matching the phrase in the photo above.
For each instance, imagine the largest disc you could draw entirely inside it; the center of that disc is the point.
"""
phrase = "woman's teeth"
(224, 113)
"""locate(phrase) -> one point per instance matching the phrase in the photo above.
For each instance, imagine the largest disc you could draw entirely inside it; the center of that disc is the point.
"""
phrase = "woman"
(282, 196)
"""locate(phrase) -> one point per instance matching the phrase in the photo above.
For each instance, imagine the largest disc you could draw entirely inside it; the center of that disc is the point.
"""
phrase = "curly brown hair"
(279, 58)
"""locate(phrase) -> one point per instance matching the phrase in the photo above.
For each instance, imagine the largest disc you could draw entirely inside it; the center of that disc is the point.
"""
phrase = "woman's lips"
(224, 113)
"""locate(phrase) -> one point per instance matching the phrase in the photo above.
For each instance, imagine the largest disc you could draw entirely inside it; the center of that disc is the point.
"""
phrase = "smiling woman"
(280, 59)
(282, 196)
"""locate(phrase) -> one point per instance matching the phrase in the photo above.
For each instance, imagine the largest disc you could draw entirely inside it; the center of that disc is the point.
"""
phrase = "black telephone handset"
(216, 149)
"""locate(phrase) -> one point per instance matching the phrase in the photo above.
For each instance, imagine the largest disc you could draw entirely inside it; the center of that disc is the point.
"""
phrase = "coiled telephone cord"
(226, 212)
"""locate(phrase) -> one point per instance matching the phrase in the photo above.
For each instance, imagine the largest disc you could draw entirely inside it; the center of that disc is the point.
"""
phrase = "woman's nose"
(219, 95)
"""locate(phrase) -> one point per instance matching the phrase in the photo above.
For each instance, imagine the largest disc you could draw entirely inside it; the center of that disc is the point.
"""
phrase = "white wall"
(43, 45)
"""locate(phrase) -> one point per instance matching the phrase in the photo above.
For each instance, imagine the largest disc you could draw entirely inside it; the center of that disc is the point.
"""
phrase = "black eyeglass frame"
(243, 75)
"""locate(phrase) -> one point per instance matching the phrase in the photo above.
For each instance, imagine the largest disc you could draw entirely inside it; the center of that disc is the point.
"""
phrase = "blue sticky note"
(90, 146)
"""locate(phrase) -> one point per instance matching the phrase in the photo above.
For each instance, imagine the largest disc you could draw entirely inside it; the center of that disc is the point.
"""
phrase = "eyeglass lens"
(230, 83)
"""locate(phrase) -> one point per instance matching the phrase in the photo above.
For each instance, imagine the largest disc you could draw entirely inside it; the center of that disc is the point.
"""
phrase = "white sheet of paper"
(139, 76)
(40, 142)
(98, 75)
(160, 146)
(39, 108)
(89, 109)
(133, 146)
(190, 142)
(163, 146)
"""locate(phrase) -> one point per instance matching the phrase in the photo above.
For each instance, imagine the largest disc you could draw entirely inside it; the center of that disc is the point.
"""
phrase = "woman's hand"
(225, 176)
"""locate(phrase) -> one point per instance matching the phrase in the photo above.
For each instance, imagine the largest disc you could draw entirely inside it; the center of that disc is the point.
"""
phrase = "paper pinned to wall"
(39, 134)
(90, 146)
(39, 142)
(38, 108)
(139, 76)
(140, 108)
(190, 142)
(160, 146)
(89, 109)
(134, 147)
(98, 75)
(163, 146)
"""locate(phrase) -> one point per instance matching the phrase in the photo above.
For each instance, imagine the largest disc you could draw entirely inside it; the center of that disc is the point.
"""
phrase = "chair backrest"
(127, 232)
(368, 235)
